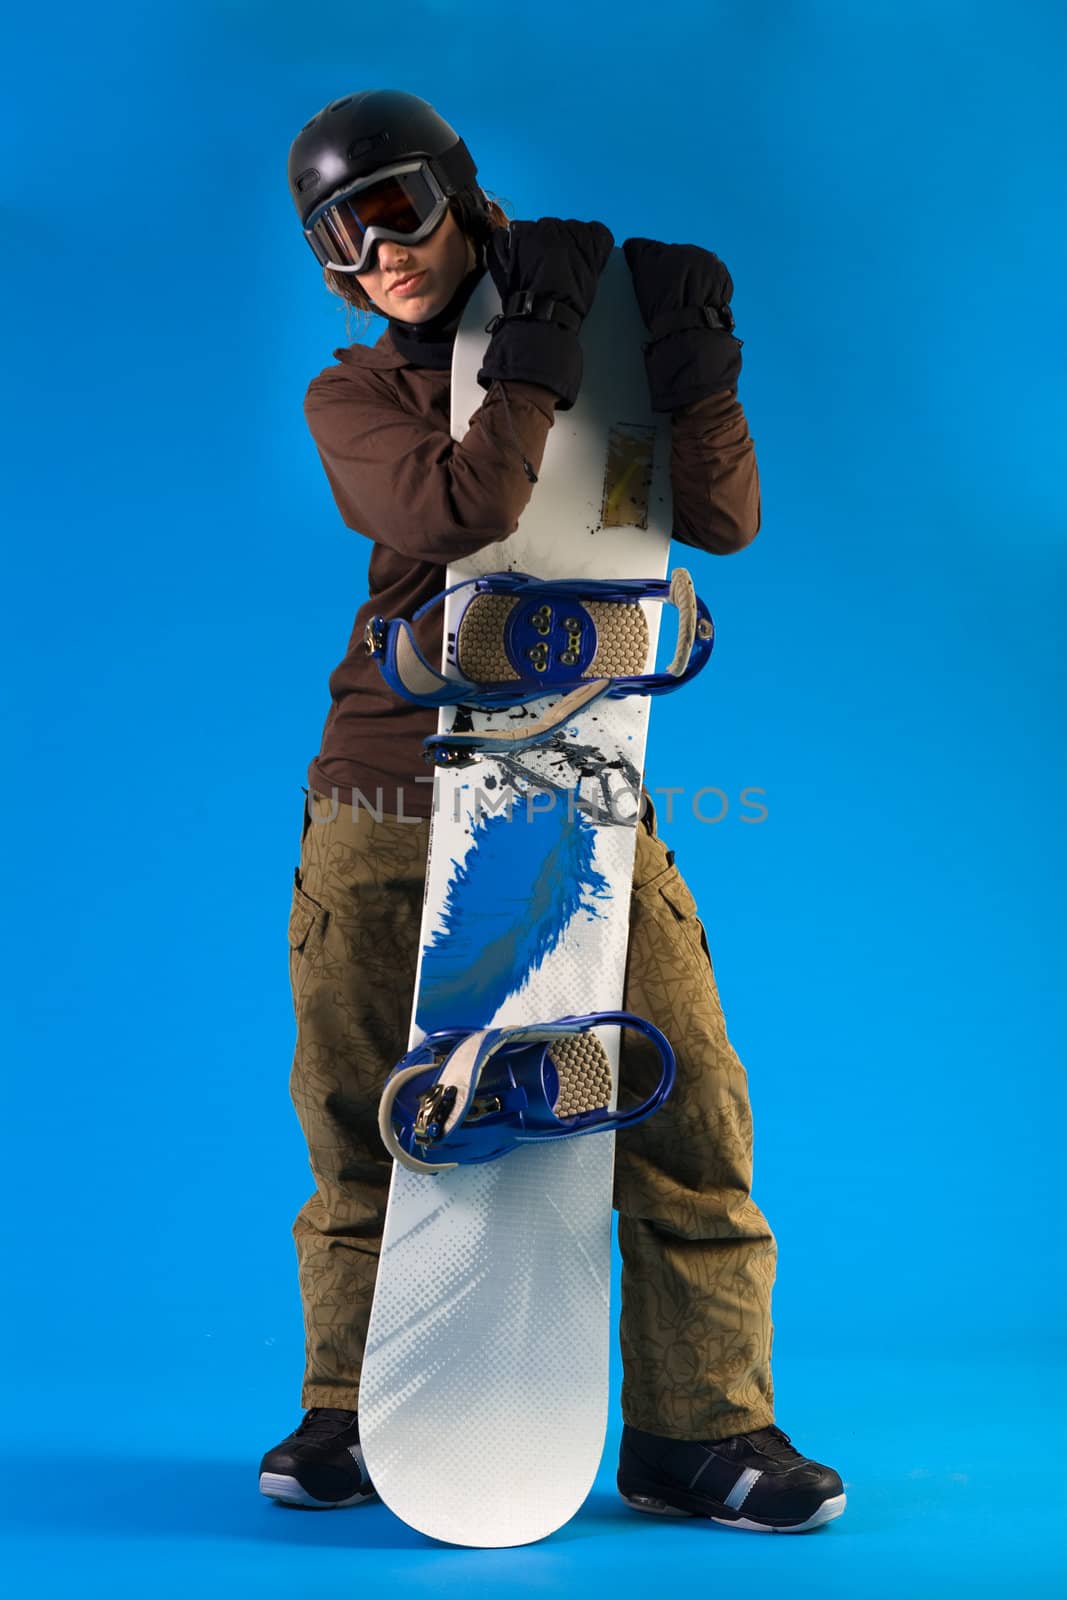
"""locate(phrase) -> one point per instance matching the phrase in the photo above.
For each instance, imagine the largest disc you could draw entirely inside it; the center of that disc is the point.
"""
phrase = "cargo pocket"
(669, 896)
(667, 885)
(307, 924)
(678, 896)
(694, 933)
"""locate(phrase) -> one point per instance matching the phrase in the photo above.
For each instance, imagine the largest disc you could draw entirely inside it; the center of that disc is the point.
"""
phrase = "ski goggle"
(404, 203)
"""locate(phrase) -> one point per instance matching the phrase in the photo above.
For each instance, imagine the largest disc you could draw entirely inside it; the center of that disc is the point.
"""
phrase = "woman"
(388, 198)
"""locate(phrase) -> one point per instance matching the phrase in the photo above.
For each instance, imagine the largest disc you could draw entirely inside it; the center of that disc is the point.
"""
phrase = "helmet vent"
(306, 179)
(363, 147)
(335, 105)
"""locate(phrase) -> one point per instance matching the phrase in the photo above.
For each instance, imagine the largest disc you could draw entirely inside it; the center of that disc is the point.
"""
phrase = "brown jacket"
(382, 428)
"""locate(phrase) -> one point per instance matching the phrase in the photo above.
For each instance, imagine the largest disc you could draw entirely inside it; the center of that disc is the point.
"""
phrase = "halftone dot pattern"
(477, 1386)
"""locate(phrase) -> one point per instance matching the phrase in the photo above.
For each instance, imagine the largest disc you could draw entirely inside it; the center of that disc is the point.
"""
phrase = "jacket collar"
(379, 357)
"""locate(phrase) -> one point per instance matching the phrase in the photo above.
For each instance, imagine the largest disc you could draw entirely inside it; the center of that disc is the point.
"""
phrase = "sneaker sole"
(290, 1492)
(661, 1508)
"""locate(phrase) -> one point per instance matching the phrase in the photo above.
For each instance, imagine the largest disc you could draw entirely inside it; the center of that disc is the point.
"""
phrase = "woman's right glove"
(546, 273)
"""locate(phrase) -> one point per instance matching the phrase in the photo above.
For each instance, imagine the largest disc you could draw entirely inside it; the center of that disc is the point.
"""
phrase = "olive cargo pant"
(698, 1256)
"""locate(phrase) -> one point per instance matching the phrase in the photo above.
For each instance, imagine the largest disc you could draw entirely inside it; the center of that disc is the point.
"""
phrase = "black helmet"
(379, 164)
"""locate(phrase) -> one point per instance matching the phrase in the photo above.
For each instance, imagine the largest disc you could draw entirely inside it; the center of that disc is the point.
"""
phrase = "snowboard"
(484, 1390)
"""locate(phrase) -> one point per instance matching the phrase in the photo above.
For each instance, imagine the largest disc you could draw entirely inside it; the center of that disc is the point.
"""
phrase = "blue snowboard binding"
(519, 638)
(475, 1096)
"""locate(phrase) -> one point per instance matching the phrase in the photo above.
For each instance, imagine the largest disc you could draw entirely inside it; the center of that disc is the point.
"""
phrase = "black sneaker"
(319, 1465)
(753, 1480)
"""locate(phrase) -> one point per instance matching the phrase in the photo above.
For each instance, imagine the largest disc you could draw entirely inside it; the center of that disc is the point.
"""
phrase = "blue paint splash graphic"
(508, 906)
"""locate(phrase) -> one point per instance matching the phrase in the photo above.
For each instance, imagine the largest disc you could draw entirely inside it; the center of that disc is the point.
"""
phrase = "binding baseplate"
(520, 638)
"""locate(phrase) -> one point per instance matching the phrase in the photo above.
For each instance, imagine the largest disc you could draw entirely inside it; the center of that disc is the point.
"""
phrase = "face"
(435, 269)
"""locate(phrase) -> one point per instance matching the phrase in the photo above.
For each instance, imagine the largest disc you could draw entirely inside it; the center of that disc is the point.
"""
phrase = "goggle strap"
(454, 170)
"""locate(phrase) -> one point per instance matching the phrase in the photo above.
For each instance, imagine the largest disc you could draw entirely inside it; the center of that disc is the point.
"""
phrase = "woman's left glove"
(684, 293)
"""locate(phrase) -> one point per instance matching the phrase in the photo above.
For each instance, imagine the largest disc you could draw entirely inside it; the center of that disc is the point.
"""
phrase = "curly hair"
(477, 221)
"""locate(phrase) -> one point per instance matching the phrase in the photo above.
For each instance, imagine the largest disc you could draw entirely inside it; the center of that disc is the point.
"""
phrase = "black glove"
(683, 293)
(546, 273)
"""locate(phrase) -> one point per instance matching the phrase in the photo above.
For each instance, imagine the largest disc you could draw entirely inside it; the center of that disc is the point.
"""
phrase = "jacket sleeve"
(403, 481)
(714, 477)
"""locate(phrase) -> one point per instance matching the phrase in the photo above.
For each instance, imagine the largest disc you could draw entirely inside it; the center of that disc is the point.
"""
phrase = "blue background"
(886, 185)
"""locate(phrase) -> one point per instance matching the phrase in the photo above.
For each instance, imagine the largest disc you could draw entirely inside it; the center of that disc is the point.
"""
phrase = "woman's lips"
(408, 285)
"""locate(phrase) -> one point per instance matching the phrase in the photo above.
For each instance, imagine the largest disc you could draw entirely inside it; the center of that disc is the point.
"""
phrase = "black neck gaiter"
(429, 344)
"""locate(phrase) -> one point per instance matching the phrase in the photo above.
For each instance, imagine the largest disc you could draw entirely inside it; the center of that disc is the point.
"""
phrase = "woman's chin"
(419, 309)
